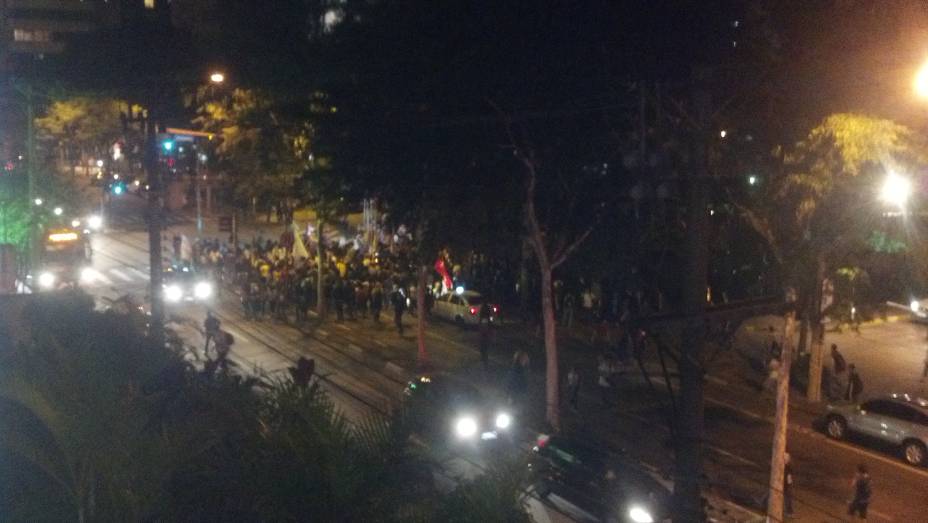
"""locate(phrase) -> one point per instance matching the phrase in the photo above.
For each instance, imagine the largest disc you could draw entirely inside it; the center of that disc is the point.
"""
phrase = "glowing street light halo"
(921, 82)
(896, 190)
(217, 77)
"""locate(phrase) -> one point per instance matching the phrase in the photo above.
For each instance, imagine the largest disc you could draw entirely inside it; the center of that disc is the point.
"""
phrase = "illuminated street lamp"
(38, 201)
(58, 211)
(217, 77)
(896, 190)
(921, 82)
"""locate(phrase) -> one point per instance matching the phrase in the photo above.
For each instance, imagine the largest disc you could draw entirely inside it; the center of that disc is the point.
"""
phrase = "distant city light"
(217, 78)
(752, 180)
(58, 211)
(99, 163)
(723, 133)
(38, 201)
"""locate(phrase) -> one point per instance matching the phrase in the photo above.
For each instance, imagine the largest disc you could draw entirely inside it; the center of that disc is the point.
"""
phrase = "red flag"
(441, 269)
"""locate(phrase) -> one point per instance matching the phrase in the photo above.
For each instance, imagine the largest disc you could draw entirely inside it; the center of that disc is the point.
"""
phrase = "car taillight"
(495, 309)
(473, 311)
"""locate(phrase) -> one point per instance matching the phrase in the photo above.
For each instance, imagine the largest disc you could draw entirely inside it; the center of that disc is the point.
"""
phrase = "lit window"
(149, 4)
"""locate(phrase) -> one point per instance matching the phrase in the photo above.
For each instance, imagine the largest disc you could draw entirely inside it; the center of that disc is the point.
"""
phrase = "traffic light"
(168, 145)
(118, 188)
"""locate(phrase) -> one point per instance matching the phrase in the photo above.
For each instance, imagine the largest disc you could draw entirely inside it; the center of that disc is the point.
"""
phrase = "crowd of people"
(274, 284)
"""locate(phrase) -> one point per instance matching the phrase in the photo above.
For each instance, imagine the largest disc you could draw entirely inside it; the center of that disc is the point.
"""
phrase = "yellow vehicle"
(64, 260)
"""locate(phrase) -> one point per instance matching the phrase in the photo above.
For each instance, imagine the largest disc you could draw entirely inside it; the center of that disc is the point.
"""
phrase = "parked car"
(591, 484)
(464, 308)
(897, 419)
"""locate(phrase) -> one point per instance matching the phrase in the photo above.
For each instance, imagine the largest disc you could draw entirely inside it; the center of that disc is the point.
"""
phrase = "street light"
(58, 211)
(217, 77)
(921, 82)
(38, 201)
(896, 190)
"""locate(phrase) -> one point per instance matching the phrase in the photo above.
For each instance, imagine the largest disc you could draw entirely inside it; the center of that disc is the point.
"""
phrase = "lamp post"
(216, 78)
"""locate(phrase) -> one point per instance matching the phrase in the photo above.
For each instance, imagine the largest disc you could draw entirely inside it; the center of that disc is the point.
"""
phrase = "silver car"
(464, 308)
(897, 419)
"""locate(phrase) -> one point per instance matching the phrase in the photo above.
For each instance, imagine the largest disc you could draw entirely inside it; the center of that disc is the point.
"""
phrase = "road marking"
(140, 273)
(732, 456)
(103, 279)
(805, 430)
(119, 274)
(321, 332)
(342, 326)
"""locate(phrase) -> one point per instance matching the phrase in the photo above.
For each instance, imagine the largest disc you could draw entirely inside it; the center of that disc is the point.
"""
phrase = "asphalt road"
(358, 387)
(738, 418)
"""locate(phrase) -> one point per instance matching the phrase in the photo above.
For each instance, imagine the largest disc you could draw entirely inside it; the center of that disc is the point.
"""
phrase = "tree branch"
(762, 227)
(561, 255)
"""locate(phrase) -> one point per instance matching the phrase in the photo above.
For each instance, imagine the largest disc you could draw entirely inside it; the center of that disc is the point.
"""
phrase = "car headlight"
(203, 290)
(88, 275)
(46, 280)
(503, 420)
(640, 515)
(95, 222)
(465, 427)
(173, 293)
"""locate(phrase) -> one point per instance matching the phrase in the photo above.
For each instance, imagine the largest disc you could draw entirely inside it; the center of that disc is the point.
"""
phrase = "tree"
(827, 183)
(81, 124)
(111, 427)
(262, 141)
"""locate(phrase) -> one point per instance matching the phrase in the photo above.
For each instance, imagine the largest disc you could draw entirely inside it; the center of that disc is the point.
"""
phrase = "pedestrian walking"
(862, 491)
(840, 364)
(854, 384)
(376, 301)
(773, 375)
(573, 388)
(399, 306)
(787, 485)
(570, 308)
(210, 329)
(787, 488)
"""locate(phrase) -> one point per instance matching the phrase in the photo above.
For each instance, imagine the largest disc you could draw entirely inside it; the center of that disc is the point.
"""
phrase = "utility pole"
(689, 471)
(150, 160)
(778, 453)
(30, 173)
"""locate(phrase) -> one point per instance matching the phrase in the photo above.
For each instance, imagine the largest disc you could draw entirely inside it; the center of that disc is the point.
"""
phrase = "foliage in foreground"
(96, 424)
